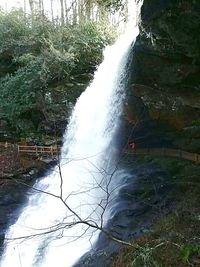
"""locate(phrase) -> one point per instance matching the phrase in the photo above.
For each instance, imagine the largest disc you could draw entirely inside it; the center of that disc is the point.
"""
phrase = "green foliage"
(114, 5)
(43, 64)
(188, 251)
(88, 40)
(23, 92)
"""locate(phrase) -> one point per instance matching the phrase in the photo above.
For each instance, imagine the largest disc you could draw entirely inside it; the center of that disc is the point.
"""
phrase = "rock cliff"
(165, 74)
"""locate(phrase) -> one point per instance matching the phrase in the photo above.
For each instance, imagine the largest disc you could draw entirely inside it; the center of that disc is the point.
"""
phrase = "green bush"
(43, 63)
(188, 251)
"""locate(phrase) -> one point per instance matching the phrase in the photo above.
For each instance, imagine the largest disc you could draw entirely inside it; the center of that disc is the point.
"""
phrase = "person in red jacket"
(132, 146)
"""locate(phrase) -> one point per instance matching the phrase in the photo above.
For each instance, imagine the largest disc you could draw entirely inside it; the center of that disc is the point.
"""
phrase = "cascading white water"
(53, 227)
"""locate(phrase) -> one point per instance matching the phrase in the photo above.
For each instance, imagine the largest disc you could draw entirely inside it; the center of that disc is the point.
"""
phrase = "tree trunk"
(31, 3)
(62, 12)
(52, 15)
(24, 7)
(66, 12)
(74, 8)
(88, 10)
(42, 7)
(81, 16)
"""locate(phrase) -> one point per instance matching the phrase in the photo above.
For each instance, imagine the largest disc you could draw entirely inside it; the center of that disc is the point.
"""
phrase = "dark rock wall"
(166, 71)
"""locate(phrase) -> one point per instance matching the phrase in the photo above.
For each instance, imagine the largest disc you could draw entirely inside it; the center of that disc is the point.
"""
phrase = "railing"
(50, 150)
(55, 150)
(166, 152)
(32, 149)
(5, 145)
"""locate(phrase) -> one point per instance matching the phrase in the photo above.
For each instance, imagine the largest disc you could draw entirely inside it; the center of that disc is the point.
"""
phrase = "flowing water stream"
(58, 224)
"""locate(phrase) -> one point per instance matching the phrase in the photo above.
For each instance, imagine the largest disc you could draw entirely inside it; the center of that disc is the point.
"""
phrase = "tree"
(41, 7)
(62, 12)
(31, 3)
(24, 8)
(52, 14)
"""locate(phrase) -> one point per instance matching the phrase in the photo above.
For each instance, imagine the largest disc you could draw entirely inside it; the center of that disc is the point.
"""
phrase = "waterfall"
(58, 224)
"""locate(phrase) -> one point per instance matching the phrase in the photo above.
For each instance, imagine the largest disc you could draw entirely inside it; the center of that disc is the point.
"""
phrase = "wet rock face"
(166, 68)
(12, 196)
